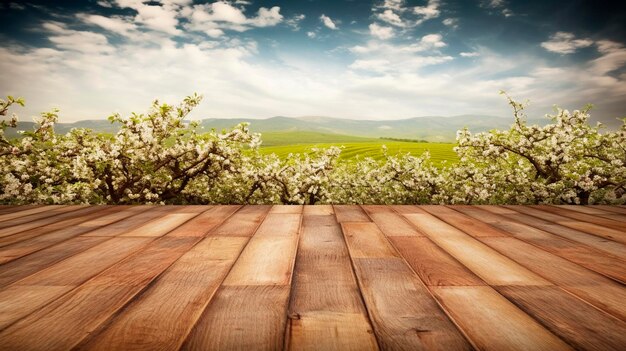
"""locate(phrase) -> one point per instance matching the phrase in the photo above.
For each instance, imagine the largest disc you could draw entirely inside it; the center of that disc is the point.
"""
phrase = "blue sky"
(385, 59)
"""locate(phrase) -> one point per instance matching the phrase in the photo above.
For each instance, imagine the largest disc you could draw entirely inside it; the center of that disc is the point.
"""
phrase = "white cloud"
(391, 17)
(429, 11)
(311, 34)
(565, 43)
(381, 32)
(499, 5)
(375, 65)
(328, 22)
(105, 3)
(451, 22)
(613, 57)
(470, 54)
(81, 41)
(397, 5)
(114, 24)
(294, 21)
(214, 18)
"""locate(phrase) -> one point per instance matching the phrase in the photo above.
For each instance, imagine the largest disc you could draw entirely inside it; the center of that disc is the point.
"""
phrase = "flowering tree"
(153, 158)
(566, 161)
(158, 158)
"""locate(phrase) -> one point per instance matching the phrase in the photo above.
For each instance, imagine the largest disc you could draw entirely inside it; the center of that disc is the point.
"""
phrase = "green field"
(284, 143)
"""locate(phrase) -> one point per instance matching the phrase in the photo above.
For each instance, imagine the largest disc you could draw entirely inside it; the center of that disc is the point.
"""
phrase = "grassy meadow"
(284, 143)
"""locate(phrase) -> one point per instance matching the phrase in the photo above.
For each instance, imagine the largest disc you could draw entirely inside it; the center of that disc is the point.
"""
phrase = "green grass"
(284, 143)
(299, 138)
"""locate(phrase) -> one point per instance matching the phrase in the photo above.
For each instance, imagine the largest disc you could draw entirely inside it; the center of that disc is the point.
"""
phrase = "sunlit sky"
(386, 59)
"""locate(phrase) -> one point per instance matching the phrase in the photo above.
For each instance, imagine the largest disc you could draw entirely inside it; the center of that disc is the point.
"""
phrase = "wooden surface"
(312, 278)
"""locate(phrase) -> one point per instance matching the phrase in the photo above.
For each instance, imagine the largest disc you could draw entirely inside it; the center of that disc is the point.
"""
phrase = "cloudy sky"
(383, 59)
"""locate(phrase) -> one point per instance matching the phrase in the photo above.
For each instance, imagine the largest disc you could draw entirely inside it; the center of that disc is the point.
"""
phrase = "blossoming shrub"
(157, 158)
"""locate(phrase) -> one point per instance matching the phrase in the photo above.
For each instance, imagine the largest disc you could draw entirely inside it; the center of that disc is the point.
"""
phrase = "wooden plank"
(268, 258)
(249, 311)
(15, 270)
(608, 265)
(157, 320)
(491, 266)
(6, 209)
(612, 209)
(404, 315)
(287, 209)
(579, 324)
(350, 213)
(465, 223)
(40, 242)
(599, 243)
(118, 213)
(244, 222)
(433, 265)
(63, 323)
(604, 293)
(114, 229)
(365, 240)
(57, 210)
(280, 224)
(265, 261)
(591, 228)
(583, 217)
(62, 277)
(320, 210)
(326, 311)
(205, 222)
(58, 218)
(390, 222)
(493, 323)
(21, 212)
(242, 317)
(166, 223)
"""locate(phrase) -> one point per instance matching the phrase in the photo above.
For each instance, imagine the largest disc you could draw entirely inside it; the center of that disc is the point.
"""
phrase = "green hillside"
(297, 138)
(373, 148)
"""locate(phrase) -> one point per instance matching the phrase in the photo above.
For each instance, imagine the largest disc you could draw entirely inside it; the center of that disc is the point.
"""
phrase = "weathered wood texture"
(312, 277)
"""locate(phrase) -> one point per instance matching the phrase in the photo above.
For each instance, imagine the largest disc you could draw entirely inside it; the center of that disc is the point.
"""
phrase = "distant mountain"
(431, 128)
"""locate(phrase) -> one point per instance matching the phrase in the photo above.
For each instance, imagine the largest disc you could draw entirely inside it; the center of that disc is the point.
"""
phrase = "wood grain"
(350, 213)
(608, 265)
(599, 243)
(72, 215)
(591, 228)
(321, 210)
(41, 238)
(155, 320)
(600, 291)
(166, 223)
(403, 313)
(101, 296)
(204, 223)
(469, 225)
(326, 311)
(27, 265)
(493, 323)
(584, 217)
(365, 240)
(563, 315)
(434, 266)
(21, 212)
(390, 222)
(491, 266)
(62, 277)
(242, 317)
(244, 222)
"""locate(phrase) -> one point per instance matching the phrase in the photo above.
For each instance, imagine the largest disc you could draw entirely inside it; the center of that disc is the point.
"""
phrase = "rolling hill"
(431, 128)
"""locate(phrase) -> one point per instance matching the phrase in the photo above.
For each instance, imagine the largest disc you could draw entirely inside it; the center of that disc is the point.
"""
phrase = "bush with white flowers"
(157, 158)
